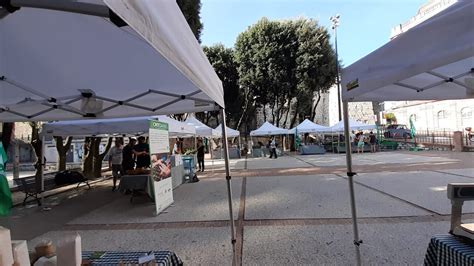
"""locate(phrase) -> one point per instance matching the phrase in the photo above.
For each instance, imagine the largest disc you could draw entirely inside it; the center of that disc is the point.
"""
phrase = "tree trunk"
(37, 144)
(99, 157)
(293, 119)
(8, 131)
(87, 157)
(313, 112)
(63, 150)
(264, 112)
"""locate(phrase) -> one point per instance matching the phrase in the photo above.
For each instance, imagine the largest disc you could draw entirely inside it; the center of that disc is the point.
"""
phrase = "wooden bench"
(28, 185)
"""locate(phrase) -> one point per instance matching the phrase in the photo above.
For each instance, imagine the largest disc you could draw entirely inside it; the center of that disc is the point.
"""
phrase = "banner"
(5, 194)
(160, 164)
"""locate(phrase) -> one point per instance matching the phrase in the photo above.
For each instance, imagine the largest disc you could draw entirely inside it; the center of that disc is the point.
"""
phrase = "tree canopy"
(286, 65)
(191, 10)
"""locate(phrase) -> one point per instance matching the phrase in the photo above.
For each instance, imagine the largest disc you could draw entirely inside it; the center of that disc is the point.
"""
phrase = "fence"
(433, 139)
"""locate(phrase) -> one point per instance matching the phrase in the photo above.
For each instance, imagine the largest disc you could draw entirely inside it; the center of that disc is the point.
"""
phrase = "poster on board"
(160, 164)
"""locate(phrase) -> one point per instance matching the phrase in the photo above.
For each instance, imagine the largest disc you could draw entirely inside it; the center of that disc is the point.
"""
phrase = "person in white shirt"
(273, 148)
(115, 160)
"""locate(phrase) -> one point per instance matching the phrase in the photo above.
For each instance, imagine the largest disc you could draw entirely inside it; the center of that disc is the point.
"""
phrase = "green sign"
(158, 125)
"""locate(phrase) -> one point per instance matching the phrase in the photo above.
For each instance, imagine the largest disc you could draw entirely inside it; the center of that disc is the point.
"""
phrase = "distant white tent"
(115, 126)
(308, 126)
(231, 133)
(268, 129)
(353, 125)
(201, 129)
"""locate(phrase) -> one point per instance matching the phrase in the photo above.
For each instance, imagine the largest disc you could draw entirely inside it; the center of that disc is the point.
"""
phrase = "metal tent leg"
(350, 175)
(229, 187)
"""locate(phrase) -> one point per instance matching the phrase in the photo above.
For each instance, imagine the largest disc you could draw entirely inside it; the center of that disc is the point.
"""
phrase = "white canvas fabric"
(308, 126)
(202, 130)
(353, 125)
(231, 133)
(432, 61)
(63, 66)
(268, 129)
(115, 126)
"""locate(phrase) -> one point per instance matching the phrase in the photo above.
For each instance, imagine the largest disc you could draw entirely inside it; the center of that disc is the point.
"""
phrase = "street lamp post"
(335, 24)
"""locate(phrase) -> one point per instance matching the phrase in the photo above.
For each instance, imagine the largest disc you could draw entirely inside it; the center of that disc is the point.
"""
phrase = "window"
(466, 116)
(442, 114)
(442, 119)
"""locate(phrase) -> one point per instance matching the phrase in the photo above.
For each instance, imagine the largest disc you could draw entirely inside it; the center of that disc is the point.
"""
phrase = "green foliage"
(391, 118)
(286, 63)
(191, 10)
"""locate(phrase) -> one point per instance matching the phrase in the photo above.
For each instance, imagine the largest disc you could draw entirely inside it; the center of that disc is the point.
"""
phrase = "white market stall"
(267, 129)
(353, 125)
(202, 130)
(231, 133)
(65, 60)
(432, 61)
(129, 126)
(307, 127)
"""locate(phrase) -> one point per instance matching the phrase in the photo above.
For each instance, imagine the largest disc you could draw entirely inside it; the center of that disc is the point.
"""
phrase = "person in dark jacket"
(200, 155)
(128, 158)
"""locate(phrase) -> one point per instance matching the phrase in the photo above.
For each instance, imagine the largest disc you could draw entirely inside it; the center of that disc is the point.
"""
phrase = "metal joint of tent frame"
(10, 6)
(444, 79)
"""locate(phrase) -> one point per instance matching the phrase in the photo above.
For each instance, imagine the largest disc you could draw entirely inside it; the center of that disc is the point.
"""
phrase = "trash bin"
(189, 166)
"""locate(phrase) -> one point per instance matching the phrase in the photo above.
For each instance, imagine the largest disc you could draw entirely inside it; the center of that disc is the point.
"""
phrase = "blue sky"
(364, 25)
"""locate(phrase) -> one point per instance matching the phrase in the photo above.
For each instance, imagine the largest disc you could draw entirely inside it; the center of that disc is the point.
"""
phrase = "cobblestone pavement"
(283, 215)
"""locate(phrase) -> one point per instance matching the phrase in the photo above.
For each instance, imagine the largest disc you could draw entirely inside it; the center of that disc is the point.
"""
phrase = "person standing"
(373, 142)
(200, 155)
(273, 148)
(115, 160)
(360, 143)
(128, 157)
(142, 151)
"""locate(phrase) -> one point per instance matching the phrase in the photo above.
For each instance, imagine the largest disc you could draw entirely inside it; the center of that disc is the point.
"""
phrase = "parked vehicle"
(397, 131)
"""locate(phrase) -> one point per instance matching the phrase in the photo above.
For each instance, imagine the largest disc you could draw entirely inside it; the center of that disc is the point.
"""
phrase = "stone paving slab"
(195, 246)
(202, 201)
(371, 159)
(384, 244)
(317, 196)
(424, 188)
(464, 172)
(280, 162)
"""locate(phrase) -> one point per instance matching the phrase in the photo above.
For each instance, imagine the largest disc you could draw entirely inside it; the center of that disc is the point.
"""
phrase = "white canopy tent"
(66, 60)
(432, 61)
(115, 126)
(268, 129)
(202, 130)
(353, 125)
(308, 126)
(231, 133)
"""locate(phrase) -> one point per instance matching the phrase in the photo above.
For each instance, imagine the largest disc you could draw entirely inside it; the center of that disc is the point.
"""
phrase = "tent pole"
(42, 162)
(229, 188)
(350, 175)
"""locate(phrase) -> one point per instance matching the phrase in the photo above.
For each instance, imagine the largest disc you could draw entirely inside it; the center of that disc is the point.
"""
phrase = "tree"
(225, 66)
(92, 158)
(286, 65)
(191, 10)
(8, 130)
(63, 150)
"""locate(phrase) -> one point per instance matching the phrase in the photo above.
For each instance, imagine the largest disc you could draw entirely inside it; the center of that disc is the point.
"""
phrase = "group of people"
(360, 140)
(123, 159)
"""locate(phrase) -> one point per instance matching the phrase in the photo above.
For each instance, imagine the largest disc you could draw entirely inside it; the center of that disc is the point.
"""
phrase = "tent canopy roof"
(268, 129)
(308, 126)
(58, 65)
(432, 61)
(202, 130)
(114, 126)
(230, 132)
(353, 125)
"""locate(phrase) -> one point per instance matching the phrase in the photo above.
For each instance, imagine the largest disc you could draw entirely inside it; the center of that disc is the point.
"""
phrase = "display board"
(160, 165)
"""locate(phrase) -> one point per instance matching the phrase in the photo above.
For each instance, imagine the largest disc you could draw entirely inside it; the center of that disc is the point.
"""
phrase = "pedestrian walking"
(115, 160)
(200, 155)
(360, 143)
(273, 148)
(373, 142)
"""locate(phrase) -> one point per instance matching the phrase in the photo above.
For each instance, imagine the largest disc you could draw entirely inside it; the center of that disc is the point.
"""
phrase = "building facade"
(439, 115)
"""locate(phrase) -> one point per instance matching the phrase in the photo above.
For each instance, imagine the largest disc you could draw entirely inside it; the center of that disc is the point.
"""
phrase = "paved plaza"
(290, 211)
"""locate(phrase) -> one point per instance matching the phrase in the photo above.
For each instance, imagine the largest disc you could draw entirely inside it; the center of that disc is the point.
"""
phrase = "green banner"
(5, 193)
(158, 125)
